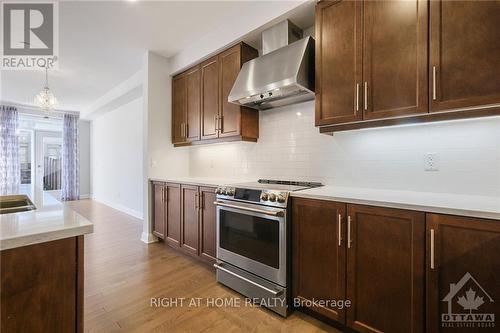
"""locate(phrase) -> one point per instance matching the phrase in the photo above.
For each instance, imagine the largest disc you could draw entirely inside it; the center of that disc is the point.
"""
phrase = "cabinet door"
(179, 103)
(159, 210)
(385, 269)
(462, 271)
(173, 214)
(230, 115)
(209, 98)
(193, 114)
(394, 58)
(464, 54)
(207, 223)
(338, 62)
(189, 219)
(318, 229)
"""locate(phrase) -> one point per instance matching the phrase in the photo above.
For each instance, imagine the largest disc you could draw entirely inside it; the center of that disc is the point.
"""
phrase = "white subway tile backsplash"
(290, 147)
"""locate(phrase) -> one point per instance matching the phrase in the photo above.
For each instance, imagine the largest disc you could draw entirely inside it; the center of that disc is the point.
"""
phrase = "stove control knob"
(272, 197)
(281, 198)
(264, 197)
(218, 190)
(230, 192)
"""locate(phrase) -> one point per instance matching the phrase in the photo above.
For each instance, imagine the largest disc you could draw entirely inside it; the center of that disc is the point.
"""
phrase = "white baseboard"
(124, 209)
(148, 238)
(85, 196)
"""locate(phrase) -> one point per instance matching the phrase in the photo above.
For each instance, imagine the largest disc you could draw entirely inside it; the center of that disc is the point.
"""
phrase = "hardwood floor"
(122, 274)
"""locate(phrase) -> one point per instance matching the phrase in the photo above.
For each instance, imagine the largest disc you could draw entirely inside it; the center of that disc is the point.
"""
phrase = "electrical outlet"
(431, 162)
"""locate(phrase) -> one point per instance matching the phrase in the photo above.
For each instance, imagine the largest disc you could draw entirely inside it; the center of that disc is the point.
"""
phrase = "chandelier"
(45, 99)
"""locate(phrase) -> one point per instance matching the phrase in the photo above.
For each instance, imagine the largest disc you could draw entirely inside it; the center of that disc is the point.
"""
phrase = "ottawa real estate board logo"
(30, 35)
(465, 301)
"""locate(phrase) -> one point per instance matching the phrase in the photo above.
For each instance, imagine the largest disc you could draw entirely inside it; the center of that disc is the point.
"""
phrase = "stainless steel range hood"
(283, 75)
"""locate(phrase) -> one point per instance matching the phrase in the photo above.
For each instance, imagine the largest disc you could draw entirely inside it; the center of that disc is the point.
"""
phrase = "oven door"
(253, 238)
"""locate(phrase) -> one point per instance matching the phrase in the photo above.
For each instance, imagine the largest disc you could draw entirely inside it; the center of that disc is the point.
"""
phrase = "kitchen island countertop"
(51, 220)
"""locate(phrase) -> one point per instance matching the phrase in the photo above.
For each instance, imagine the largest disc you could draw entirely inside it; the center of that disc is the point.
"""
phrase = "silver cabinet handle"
(216, 123)
(274, 292)
(357, 96)
(255, 210)
(340, 229)
(434, 95)
(432, 248)
(366, 95)
(348, 232)
(163, 195)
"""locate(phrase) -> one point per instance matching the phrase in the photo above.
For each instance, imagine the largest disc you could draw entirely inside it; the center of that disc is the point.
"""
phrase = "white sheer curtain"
(10, 173)
(70, 189)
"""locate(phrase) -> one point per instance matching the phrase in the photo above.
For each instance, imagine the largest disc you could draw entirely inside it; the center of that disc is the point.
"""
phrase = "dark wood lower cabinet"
(189, 218)
(207, 224)
(319, 254)
(385, 269)
(463, 266)
(42, 287)
(372, 257)
(173, 214)
(159, 210)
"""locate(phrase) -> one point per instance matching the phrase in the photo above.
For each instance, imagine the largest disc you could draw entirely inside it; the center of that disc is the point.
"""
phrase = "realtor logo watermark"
(470, 296)
(30, 35)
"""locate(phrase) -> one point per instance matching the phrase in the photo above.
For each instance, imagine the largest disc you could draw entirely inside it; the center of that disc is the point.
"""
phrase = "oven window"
(250, 236)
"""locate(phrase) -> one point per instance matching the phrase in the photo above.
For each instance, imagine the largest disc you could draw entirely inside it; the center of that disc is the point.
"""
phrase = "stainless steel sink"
(15, 203)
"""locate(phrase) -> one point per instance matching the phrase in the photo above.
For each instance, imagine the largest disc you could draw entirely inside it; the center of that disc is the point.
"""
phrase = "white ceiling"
(102, 43)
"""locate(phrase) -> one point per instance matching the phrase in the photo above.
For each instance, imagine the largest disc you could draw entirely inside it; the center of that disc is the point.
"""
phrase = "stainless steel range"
(253, 240)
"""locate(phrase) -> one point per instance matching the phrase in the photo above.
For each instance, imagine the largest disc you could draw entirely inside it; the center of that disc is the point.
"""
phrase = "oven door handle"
(274, 292)
(255, 210)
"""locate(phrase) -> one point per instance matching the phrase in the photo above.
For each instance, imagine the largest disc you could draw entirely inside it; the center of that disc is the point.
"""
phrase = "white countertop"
(51, 220)
(202, 180)
(442, 203)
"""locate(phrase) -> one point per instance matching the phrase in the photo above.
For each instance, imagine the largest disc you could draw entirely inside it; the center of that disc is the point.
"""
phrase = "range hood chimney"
(283, 75)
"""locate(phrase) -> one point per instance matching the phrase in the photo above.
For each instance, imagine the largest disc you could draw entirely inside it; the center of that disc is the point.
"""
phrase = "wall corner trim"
(148, 238)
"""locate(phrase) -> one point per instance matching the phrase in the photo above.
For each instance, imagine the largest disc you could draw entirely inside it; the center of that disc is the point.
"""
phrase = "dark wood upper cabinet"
(201, 112)
(230, 64)
(179, 105)
(318, 253)
(385, 269)
(173, 214)
(235, 120)
(159, 217)
(394, 58)
(338, 62)
(193, 108)
(383, 63)
(189, 219)
(207, 224)
(464, 54)
(209, 98)
(462, 253)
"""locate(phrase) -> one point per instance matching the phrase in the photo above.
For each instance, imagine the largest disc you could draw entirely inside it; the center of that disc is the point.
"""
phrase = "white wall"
(290, 147)
(160, 159)
(117, 155)
(84, 148)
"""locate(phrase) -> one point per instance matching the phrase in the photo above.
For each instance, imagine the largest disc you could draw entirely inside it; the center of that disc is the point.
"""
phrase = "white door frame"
(39, 139)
